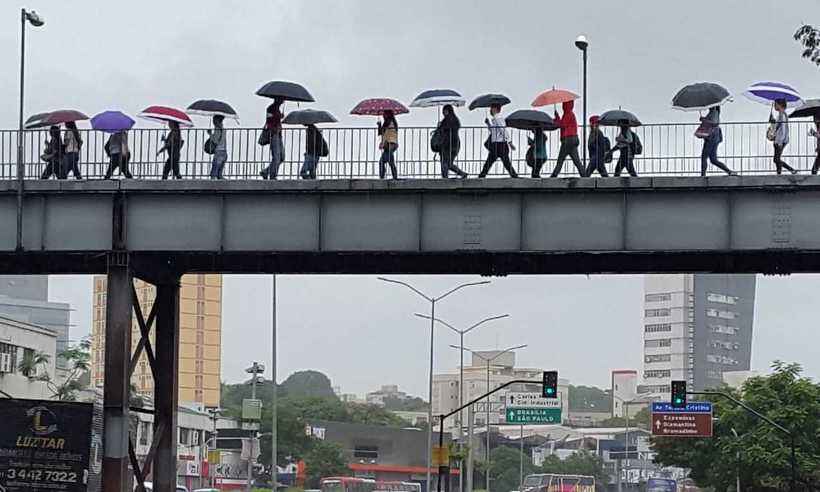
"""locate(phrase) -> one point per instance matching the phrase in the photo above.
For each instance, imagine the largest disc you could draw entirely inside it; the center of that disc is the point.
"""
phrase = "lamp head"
(581, 42)
(35, 19)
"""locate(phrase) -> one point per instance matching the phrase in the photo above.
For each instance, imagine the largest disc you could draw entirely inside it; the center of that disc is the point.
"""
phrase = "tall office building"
(24, 298)
(695, 328)
(200, 340)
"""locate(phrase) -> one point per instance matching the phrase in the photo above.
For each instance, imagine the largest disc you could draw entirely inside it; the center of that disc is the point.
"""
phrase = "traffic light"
(678, 394)
(550, 389)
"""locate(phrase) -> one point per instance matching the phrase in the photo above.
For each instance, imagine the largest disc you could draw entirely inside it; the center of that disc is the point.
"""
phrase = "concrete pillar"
(115, 473)
(166, 392)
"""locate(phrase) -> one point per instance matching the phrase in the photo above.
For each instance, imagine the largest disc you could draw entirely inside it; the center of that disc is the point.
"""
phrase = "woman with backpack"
(447, 143)
(537, 153)
(628, 146)
(709, 130)
(53, 155)
(315, 148)
(599, 146)
(388, 129)
(779, 135)
(216, 145)
(72, 144)
(118, 153)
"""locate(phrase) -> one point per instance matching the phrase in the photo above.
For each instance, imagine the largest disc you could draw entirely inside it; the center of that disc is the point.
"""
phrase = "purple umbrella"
(768, 92)
(112, 122)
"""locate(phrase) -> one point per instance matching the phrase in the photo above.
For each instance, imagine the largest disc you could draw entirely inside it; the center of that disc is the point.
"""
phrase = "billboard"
(45, 445)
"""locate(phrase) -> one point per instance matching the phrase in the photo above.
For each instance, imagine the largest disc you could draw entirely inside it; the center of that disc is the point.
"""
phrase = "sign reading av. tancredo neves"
(44, 445)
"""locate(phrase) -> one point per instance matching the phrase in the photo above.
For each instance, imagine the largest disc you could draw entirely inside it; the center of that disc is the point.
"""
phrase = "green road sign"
(540, 415)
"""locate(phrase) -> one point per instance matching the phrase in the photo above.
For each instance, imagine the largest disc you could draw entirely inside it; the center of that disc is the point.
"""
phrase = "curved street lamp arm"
(469, 284)
(448, 325)
(468, 330)
(422, 294)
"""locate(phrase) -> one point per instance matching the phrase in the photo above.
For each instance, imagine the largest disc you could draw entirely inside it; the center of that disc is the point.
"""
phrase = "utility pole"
(470, 422)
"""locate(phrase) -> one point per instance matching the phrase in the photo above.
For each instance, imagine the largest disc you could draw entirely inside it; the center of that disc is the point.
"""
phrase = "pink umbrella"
(64, 116)
(377, 106)
(164, 114)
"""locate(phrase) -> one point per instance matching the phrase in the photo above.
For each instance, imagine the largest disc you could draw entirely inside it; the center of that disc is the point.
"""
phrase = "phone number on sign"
(40, 475)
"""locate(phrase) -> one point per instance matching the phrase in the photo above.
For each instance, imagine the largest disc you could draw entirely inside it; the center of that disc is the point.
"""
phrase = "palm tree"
(31, 363)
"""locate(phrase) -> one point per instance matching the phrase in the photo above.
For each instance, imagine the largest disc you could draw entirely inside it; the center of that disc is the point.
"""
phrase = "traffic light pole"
(793, 485)
(444, 470)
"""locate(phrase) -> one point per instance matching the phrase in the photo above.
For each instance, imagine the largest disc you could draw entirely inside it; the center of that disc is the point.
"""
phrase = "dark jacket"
(598, 145)
(173, 143)
(313, 141)
(448, 129)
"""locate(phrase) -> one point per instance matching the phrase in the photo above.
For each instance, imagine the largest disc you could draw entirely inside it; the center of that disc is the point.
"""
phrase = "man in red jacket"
(569, 139)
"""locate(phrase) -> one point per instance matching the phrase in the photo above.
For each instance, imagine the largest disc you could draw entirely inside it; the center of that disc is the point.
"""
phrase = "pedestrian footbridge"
(491, 226)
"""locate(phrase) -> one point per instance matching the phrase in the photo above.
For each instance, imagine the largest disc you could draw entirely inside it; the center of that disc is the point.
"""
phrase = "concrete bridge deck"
(491, 226)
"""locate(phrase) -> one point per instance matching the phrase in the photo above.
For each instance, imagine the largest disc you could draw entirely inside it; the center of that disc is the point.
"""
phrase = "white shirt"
(498, 129)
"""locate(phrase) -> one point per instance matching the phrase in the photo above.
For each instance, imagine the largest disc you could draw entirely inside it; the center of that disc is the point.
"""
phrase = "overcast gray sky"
(130, 55)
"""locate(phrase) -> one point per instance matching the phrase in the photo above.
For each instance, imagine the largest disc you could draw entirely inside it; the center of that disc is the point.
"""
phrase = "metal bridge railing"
(669, 149)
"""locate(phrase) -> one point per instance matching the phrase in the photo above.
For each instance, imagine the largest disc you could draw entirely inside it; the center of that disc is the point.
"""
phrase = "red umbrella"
(554, 96)
(63, 116)
(164, 114)
(375, 107)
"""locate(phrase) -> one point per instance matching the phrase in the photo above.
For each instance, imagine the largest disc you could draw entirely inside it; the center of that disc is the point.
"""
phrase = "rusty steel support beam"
(115, 473)
(166, 387)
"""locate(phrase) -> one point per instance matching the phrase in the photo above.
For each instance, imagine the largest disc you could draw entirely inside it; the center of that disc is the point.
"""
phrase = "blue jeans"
(388, 157)
(277, 155)
(709, 153)
(309, 167)
(71, 164)
(218, 164)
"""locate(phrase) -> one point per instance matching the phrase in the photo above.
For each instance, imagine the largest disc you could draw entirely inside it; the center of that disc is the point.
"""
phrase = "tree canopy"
(785, 397)
(505, 462)
(589, 398)
(809, 37)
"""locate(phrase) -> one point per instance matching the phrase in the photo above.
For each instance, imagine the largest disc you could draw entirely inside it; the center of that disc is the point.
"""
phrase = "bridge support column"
(115, 473)
(166, 386)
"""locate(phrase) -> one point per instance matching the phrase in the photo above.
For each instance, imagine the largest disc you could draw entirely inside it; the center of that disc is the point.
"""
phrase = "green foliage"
(579, 463)
(589, 398)
(414, 404)
(505, 462)
(325, 459)
(786, 398)
(307, 384)
(809, 37)
(77, 361)
(641, 419)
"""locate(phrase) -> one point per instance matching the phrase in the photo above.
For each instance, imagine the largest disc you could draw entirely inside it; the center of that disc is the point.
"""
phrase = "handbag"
(209, 147)
(264, 137)
(704, 130)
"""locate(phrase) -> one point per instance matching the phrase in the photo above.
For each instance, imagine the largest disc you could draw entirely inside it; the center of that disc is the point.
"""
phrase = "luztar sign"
(44, 445)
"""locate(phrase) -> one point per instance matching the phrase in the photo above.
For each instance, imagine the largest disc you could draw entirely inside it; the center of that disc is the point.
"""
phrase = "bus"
(661, 485)
(553, 482)
(356, 484)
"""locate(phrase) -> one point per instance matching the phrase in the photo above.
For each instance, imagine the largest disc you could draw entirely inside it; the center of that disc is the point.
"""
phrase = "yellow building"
(200, 343)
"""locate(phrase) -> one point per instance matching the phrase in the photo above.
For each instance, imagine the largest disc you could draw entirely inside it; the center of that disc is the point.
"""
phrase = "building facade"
(19, 340)
(200, 341)
(624, 390)
(386, 392)
(695, 328)
(25, 298)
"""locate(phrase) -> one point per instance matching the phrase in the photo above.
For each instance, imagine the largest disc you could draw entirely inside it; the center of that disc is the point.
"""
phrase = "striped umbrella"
(438, 97)
(164, 114)
(768, 92)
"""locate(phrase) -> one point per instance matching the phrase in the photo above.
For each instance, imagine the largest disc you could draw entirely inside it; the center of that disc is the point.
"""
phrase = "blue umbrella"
(112, 122)
(768, 92)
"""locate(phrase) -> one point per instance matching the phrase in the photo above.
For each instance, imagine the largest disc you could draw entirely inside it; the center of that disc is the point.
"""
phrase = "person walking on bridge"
(218, 146)
(569, 139)
(53, 155)
(498, 144)
(628, 146)
(709, 130)
(173, 145)
(118, 153)
(388, 129)
(779, 135)
(72, 144)
(315, 148)
(598, 146)
(449, 142)
(273, 125)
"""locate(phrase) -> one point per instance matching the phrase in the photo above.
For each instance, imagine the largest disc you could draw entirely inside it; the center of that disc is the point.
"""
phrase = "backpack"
(637, 145)
(325, 151)
(435, 140)
(209, 147)
(607, 148)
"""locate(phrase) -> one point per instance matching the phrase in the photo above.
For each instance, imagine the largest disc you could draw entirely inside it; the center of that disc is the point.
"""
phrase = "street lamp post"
(36, 21)
(461, 334)
(737, 458)
(489, 361)
(626, 404)
(255, 369)
(432, 301)
(582, 44)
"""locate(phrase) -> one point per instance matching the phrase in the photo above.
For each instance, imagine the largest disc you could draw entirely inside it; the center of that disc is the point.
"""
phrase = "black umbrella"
(488, 100)
(36, 121)
(289, 91)
(810, 107)
(616, 116)
(308, 117)
(211, 107)
(700, 97)
(530, 119)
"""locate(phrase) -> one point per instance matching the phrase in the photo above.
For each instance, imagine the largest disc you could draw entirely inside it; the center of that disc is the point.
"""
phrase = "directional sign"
(695, 420)
(537, 415)
(530, 400)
